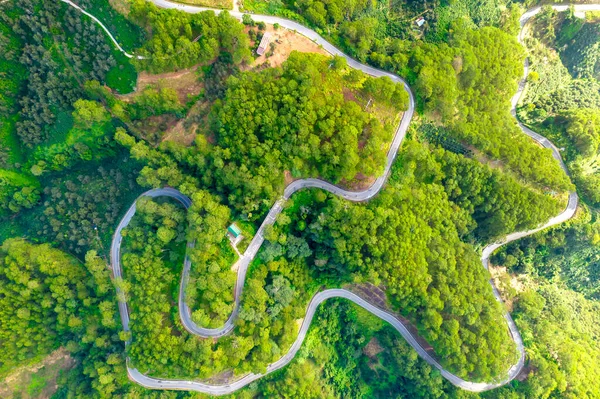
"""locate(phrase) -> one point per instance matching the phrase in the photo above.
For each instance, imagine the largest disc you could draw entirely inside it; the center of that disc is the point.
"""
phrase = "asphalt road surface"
(184, 311)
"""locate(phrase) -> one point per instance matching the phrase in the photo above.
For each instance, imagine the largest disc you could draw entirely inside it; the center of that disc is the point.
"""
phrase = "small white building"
(235, 234)
(420, 22)
(264, 43)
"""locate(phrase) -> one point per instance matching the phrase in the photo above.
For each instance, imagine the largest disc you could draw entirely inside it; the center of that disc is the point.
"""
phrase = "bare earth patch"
(39, 380)
(185, 83)
(285, 42)
(373, 348)
(509, 285)
(122, 6)
(185, 130)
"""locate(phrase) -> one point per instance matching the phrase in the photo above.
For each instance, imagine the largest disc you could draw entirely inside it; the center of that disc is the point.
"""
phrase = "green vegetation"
(180, 40)
(293, 118)
(17, 191)
(464, 177)
(582, 53)
(562, 107)
(407, 256)
(223, 4)
(154, 245)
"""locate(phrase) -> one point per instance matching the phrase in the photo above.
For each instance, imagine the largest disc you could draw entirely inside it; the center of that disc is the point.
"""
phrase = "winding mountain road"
(318, 298)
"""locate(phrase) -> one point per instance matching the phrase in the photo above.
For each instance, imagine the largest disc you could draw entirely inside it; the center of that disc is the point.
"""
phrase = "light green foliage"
(291, 118)
(385, 90)
(89, 139)
(583, 129)
(40, 292)
(88, 113)
(561, 334)
(180, 40)
(154, 101)
(408, 239)
(272, 298)
(17, 191)
(457, 81)
(210, 289)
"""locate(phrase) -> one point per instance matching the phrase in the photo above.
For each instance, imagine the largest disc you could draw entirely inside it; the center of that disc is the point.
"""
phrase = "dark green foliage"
(128, 34)
(582, 53)
(569, 253)
(56, 63)
(79, 211)
(216, 74)
(439, 135)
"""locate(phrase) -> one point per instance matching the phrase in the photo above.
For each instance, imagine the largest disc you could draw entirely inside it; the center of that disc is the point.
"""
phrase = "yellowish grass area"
(223, 4)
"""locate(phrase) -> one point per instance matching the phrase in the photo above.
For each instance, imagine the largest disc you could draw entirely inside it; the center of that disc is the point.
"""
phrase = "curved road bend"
(155, 383)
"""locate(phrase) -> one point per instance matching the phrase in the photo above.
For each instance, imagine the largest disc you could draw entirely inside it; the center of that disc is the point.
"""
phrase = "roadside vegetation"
(75, 151)
(562, 100)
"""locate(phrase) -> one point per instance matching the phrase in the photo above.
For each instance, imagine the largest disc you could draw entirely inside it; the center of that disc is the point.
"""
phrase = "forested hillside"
(84, 130)
(563, 96)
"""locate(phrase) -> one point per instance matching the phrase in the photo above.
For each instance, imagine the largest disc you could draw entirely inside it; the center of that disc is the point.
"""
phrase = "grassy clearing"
(9, 140)
(123, 77)
(223, 4)
(129, 35)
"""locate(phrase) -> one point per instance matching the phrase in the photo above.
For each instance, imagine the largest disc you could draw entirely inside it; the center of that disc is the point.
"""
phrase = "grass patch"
(122, 77)
(568, 29)
(61, 127)
(129, 35)
(223, 4)
(10, 142)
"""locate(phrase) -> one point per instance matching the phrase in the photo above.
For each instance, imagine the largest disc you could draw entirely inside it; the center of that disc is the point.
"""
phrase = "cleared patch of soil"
(185, 130)
(184, 82)
(285, 42)
(122, 6)
(38, 380)
(373, 348)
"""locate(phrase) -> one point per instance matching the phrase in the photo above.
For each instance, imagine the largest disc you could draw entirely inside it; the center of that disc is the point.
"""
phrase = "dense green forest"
(465, 48)
(79, 141)
(563, 94)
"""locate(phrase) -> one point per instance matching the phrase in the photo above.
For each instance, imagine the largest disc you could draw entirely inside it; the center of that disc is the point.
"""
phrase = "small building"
(420, 22)
(264, 43)
(234, 233)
